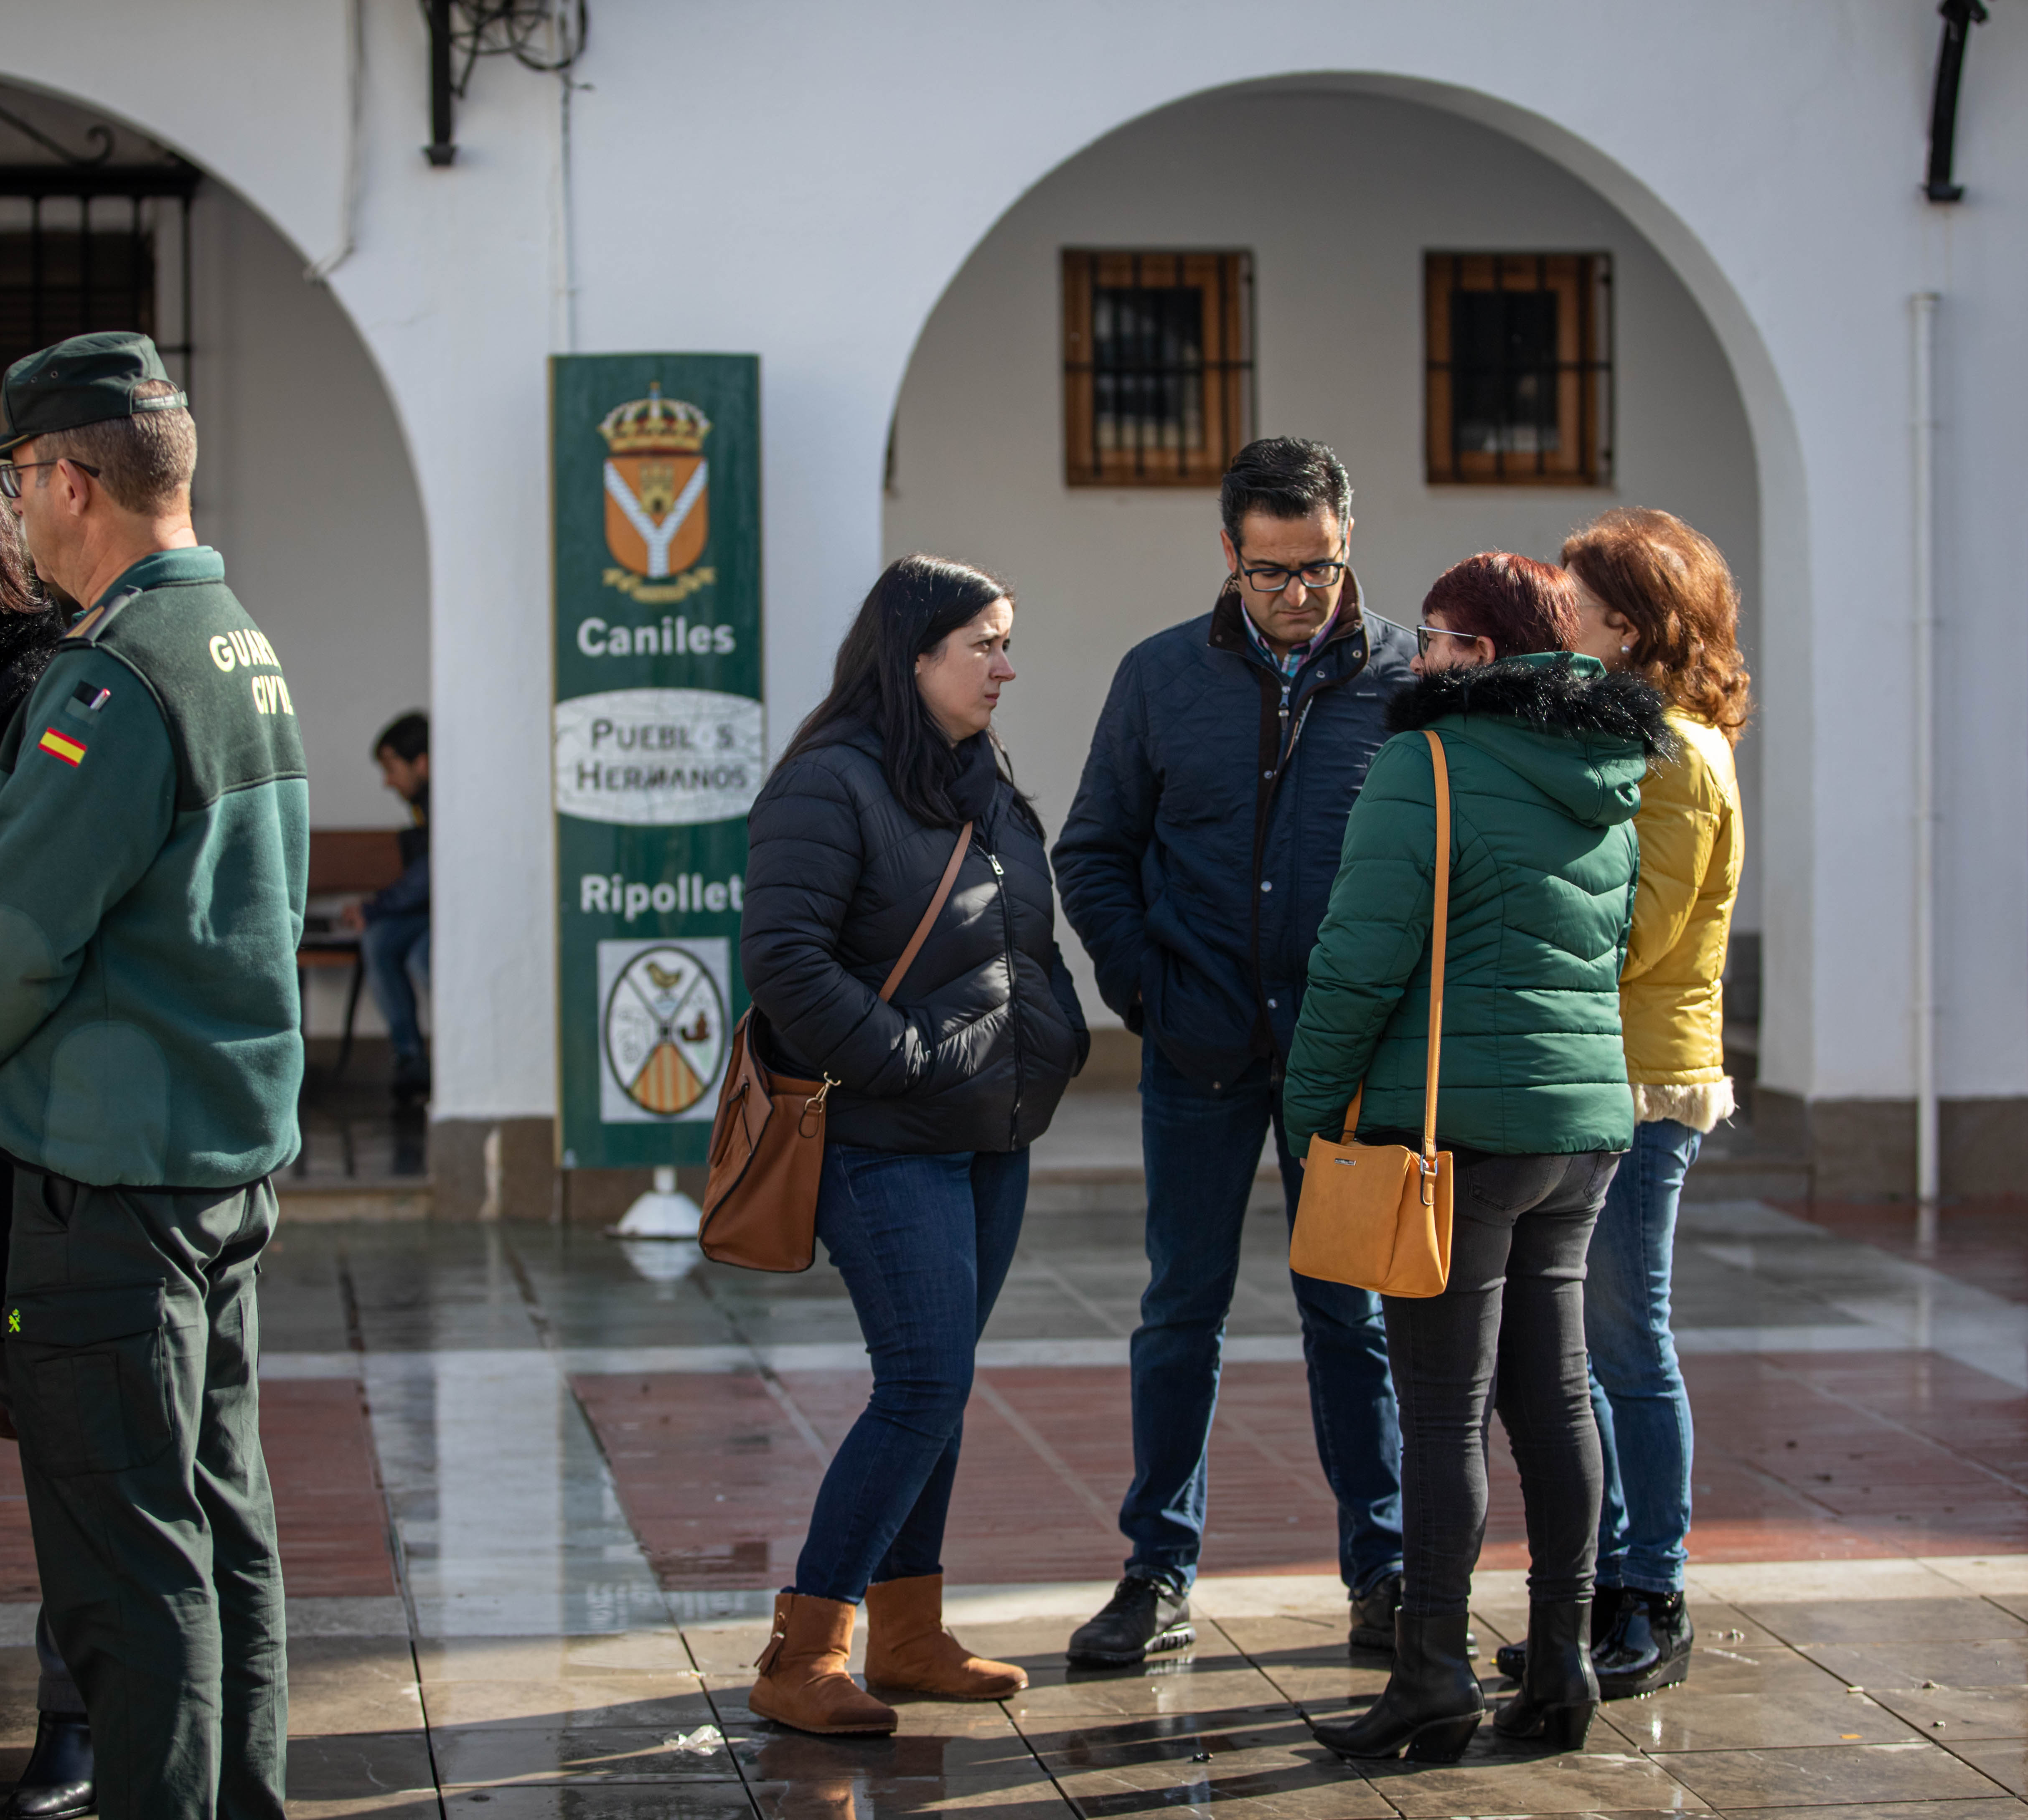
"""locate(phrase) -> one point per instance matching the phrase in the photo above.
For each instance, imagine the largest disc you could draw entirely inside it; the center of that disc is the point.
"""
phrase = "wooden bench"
(349, 863)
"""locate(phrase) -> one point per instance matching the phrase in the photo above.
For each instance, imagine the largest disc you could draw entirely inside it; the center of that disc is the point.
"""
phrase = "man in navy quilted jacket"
(1195, 867)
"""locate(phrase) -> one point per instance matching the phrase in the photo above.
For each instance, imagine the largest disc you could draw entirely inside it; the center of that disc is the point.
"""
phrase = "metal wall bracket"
(1959, 16)
(545, 35)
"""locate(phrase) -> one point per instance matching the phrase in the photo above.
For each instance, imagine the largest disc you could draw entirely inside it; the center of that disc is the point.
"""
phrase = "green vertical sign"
(655, 461)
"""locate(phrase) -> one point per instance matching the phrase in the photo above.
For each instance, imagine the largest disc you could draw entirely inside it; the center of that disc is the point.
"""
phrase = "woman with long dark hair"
(1545, 752)
(30, 623)
(938, 1096)
(57, 1778)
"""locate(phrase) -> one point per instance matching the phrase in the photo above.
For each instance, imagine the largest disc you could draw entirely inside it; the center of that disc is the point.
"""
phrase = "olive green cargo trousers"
(132, 1343)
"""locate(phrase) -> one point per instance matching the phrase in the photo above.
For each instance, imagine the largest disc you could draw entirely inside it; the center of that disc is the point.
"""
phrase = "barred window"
(84, 249)
(61, 283)
(1520, 371)
(1158, 367)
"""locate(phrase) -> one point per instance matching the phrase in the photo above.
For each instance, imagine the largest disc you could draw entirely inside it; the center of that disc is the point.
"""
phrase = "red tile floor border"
(1801, 1456)
(328, 1503)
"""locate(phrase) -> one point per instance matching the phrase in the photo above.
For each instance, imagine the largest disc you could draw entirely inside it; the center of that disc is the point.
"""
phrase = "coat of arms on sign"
(656, 497)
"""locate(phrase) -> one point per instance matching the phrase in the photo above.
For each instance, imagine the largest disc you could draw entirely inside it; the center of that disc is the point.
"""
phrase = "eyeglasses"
(1425, 634)
(11, 473)
(1271, 579)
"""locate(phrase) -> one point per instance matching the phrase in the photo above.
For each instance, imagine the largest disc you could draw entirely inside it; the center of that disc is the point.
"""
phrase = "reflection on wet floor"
(353, 1132)
(537, 1487)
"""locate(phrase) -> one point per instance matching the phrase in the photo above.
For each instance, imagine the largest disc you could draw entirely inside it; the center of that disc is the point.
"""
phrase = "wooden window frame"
(1584, 372)
(1225, 373)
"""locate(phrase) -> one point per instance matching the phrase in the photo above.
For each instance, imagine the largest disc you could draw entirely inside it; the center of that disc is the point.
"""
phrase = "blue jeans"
(923, 1244)
(1637, 1384)
(396, 950)
(1201, 1144)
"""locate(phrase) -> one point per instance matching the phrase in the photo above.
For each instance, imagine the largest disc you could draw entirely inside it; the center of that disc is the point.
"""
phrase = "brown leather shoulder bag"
(768, 1139)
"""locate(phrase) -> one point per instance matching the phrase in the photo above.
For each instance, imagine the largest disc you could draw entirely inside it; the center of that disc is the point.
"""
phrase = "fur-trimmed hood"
(1549, 689)
(1581, 734)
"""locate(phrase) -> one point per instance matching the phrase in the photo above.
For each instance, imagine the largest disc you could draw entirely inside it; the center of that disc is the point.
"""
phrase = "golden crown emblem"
(655, 426)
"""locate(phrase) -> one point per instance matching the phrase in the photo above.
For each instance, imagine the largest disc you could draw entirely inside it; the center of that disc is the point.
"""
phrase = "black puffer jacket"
(983, 1033)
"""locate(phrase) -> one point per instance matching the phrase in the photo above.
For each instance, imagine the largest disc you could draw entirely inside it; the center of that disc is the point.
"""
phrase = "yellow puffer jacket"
(1671, 1005)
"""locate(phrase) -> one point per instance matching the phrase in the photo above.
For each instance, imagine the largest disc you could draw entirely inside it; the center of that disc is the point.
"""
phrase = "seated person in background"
(395, 924)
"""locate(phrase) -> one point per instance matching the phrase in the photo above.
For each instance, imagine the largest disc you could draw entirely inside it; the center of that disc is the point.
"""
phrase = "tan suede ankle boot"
(908, 1648)
(804, 1680)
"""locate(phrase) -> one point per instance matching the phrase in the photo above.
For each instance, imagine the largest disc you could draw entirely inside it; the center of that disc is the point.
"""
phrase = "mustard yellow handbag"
(1378, 1215)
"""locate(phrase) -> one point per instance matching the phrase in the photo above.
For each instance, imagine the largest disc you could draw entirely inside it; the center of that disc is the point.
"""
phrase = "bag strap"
(1439, 937)
(930, 915)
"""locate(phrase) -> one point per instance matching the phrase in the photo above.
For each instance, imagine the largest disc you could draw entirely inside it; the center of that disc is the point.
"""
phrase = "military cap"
(87, 379)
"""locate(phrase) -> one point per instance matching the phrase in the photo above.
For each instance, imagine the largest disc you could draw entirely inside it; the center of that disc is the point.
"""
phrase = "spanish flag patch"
(71, 751)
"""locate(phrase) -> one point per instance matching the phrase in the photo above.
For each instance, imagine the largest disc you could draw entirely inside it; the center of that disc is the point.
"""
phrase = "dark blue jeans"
(1637, 1384)
(923, 1244)
(396, 950)
(1200, 1144)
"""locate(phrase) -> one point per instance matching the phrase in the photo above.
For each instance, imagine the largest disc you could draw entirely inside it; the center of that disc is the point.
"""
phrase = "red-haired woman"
(1656, 599)
(1546, 752)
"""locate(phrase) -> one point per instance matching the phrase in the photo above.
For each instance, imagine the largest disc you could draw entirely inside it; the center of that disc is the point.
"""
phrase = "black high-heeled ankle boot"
(1431, 1705)
(1559, 1691)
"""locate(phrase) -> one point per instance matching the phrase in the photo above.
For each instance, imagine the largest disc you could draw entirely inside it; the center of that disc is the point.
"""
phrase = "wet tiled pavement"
(534, 1487)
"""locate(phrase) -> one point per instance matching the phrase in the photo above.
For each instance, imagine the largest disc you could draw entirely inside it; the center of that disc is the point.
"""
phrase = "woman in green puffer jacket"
(1546, 751)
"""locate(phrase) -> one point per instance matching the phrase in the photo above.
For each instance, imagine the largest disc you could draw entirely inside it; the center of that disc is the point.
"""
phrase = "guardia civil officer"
(153, 853)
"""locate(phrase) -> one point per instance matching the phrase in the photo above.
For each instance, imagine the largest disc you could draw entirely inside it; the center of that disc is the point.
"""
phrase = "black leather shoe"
(1430, 1706)
(1511, 1659)
(56, 1783)
(1648, 1648)
(1143, 1618)
(1558, 1692)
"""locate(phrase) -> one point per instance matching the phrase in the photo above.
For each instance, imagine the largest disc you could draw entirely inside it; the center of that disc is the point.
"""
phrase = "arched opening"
(303, 481)
(1338, 192)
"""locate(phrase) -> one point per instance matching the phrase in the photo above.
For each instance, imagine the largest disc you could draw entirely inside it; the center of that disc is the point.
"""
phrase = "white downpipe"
(1922, 506)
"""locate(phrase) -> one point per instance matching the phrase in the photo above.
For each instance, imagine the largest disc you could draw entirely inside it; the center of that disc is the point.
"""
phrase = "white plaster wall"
(1337, 197)
(304, 484)
(1976, 256)
(803, 180)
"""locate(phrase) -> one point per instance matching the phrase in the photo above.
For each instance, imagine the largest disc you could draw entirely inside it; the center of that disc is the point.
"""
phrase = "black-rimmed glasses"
(1425, 634)
(11, 473)
(1272, 579)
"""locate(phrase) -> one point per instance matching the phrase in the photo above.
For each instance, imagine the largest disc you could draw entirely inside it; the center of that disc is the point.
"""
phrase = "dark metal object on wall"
(1959, 16)
(441, 149)
(547, 36)
(100, 136)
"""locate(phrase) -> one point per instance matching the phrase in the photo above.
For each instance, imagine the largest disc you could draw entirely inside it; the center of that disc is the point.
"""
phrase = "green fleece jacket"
(154, 851)
(1546, 754)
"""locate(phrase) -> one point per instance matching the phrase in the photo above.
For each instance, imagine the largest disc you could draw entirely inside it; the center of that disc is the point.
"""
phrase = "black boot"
(1373, 1615)
(1373, 1619)
(1558, 1692)
(56, 1783)
(1511, 1658)
(1431, 1705)
(1143, 1618)
(1648, 1648)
